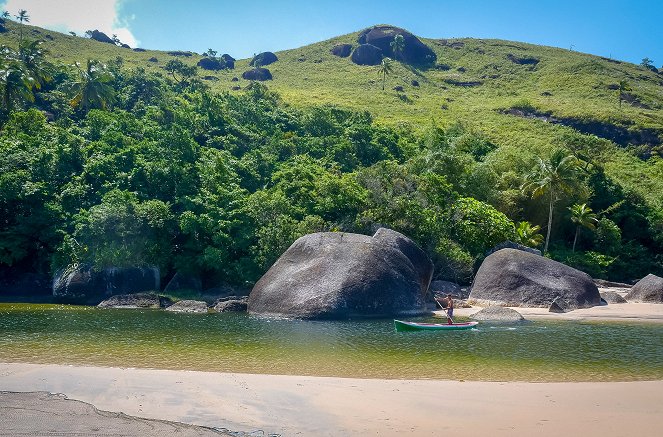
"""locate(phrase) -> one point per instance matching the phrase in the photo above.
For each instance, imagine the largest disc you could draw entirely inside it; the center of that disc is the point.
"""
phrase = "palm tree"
(93, 87)
(623, 88)
(554, 177)
(385, 68)
(582, 216)
(5, 14)
(529, 235)
(33, 58)
(398, 46)
(17, 84)
(22, 17)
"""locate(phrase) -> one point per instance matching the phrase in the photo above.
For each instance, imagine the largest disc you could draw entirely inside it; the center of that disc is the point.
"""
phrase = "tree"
(22, 17)
(178, 68)
(93, 87)
(385, 68)
(398, 46)
(210, 53)
(528, 235)
(582, 216)
(15, 79)
(72, 33)
(554, 177)
(33, 58)
(116, 40)
(5, 14)
(648, 64)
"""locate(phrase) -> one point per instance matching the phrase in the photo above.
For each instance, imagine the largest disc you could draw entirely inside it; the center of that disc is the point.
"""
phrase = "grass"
(563, 83)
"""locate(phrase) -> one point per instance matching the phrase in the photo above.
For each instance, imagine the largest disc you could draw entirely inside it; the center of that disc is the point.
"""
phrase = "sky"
(620, 29)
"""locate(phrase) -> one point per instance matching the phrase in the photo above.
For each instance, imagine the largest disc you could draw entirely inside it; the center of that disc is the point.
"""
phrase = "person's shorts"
(450, 312)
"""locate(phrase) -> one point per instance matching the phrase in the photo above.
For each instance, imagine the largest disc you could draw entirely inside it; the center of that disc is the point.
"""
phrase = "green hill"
(575, 90)
(217, 175)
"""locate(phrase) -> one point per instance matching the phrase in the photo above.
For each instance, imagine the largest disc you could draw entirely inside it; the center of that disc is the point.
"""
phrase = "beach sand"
(321, 406)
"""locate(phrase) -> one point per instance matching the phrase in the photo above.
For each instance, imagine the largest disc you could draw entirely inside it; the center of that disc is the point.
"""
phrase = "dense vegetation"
(112, 164)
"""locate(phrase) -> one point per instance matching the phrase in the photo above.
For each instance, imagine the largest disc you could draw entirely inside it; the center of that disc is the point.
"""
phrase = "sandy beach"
(322, 406)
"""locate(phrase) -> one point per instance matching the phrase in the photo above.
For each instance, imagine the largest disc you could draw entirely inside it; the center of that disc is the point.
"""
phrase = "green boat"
(414, 326)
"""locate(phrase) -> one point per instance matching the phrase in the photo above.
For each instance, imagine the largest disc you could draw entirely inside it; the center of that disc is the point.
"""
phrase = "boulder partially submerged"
(498, 314)
(188, 306)
(336, 275)
(511, 277)
(648, 289)
(136, 300)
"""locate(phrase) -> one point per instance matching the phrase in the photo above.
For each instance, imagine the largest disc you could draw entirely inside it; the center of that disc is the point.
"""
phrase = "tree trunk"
(550, 214)
(575, 238)
(384, 77)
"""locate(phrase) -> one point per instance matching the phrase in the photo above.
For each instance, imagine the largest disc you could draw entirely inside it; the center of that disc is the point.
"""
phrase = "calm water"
(541, 351)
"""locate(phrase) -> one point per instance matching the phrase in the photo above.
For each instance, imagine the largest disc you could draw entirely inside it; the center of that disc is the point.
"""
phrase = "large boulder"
(367, 54)
(230, 61)
(648, 289)
(213, 64)
(511, 245)
(511, 277)
(82, 284)
(231, 304)
(257, 74)
(264, 58)
(414, 51)
(101, 37)
(335, 275)
(445, 287)
(498, 314)
(341, 50)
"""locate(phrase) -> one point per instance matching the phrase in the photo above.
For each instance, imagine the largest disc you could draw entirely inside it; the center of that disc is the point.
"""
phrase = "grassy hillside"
(574, 87)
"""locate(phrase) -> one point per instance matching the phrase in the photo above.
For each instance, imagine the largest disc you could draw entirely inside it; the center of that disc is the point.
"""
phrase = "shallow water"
(536, 351)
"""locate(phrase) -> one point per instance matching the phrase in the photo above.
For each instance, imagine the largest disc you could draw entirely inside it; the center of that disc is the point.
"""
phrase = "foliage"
(528, 235)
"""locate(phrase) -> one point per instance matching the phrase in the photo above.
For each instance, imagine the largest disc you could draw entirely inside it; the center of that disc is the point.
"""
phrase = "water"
(230, 342)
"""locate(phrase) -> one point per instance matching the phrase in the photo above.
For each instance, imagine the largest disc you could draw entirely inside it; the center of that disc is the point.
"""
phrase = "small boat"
(414, 326)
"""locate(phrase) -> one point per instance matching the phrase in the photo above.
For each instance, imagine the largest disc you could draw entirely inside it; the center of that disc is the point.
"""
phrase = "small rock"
(235, 304)
(341, 50)
(498, 314)
(153, 59)
(188, 306)
(612, 297)
(398, 88)
(415, 82)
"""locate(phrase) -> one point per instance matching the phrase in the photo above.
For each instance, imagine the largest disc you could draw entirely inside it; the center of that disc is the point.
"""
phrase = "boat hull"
(413, 326)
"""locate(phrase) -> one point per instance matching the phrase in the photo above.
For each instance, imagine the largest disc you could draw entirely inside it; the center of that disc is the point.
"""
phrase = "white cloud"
(76, 16)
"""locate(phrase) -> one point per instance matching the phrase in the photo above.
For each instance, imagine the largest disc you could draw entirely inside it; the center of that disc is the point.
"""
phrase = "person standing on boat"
(450, 309)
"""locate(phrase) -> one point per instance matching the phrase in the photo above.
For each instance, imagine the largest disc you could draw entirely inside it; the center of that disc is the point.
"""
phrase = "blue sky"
(626, 30)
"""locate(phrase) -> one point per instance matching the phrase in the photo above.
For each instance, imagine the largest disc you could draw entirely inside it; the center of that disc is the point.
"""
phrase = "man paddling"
(450, 309)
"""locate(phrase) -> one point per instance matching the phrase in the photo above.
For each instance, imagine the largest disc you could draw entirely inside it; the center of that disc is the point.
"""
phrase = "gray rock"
(414, 50)
(82, 284)
(257, 74)
(188, 306)
(213, 64)
(238, 304)
(367, 54)
(556, 307)
(445, 287)
(137, 300)
(498, 314)
(602, 283)
(511, 277)
(612, 297)
(341, 50)
(264, 58)
(648, 289)
(331, 275)
(101, 37)
(183, 281)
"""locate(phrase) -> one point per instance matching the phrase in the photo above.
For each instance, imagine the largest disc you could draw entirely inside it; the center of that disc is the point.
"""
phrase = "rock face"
(331, 275)
(82, 284)
(230, 61)
(257, 74)
(341, 50)
(183, 281)
(212, 64)
(367, 54)
(188, 306)
(101, 37)
(137, 300)
(498, 314)
(612, 297)
(445, 287)
(511, 277)
(647, 289)
(264, 58)
(231, 304)
(414, 51)
(14, 282)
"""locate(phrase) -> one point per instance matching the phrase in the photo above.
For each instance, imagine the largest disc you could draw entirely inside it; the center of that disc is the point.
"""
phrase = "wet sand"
(302, 405)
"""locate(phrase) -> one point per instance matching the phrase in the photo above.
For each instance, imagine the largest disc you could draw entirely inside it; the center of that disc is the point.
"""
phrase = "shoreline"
(304, 405)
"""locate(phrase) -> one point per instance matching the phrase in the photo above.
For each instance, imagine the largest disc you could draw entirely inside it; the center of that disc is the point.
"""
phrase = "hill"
(519, 95)
(206, 173)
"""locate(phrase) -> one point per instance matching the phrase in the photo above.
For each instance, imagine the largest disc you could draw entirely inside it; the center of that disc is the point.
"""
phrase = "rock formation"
(414, 51)
(647, 289)
(264, 58)
(332, 275)
(257, 74)
(341, 50)
(367, 54)
(511, 277)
